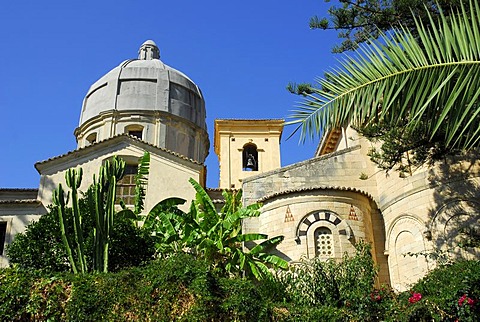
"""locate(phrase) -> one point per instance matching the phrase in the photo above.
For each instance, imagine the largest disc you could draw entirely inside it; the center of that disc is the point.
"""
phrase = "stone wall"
(431, 209)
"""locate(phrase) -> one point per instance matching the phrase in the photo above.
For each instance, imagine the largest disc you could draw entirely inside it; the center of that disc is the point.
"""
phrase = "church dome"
(150, 100)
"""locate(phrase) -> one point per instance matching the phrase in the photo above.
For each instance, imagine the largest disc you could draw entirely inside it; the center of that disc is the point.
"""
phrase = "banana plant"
(215, 236)
(165, 222)
(222, 240)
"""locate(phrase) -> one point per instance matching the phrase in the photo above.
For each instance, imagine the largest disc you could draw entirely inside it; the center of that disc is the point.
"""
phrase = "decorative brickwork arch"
(325, 216)
(310, 225)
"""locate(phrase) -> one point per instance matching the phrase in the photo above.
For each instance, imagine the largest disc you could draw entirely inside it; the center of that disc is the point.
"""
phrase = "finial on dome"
(148, 51)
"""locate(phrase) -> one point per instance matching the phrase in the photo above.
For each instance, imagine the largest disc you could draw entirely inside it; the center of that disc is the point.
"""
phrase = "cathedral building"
(323, 206)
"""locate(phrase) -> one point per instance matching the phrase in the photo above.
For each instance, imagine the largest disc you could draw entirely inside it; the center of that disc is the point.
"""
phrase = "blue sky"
(242, 54)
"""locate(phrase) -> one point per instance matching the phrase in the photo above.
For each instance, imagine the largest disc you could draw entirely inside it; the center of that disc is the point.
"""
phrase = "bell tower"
(246, 148)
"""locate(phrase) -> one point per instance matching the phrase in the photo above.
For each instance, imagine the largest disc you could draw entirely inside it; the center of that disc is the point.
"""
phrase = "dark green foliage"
(345, 285)
(357, 21)
(40, 247)
(179, 288)
(182, 288)
(129, 245)
(214, 236)
(441, 291)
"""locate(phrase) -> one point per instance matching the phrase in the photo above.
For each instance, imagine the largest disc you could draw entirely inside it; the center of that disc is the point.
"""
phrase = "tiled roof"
(235, 119)
(115, 137)
(276, 194)
(221, 189)
(23, 201)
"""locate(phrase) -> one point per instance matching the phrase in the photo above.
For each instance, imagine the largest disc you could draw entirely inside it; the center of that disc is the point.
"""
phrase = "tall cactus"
(101, 197)
(101, 200)
(73, 178)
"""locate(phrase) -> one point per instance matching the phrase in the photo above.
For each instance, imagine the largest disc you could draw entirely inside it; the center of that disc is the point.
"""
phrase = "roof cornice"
(121, 138)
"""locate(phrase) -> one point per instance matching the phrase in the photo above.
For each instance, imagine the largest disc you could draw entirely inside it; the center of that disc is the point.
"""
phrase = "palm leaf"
(432, 82)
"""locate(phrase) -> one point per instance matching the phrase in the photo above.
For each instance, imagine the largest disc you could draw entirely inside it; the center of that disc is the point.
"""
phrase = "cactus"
(101, 199)
(73, 179)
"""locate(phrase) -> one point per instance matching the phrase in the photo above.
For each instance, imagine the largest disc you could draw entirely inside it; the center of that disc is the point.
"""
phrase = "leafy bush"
(448, 293)
(183, 288)
(178, 288)
(339, 290)
(40, 247)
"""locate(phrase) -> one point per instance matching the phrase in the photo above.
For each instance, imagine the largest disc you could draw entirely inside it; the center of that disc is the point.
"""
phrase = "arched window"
(135, 130)
(324, 243)
(91, 138)
(250, 157)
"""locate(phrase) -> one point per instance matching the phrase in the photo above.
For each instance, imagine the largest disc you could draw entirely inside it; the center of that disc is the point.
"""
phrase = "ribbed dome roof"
(146, 84)
(150, 100)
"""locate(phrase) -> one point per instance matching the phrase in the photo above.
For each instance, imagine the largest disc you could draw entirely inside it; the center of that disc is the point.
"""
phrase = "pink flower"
(470, 302)
(464, 298)
(375, 296)
(415, 297)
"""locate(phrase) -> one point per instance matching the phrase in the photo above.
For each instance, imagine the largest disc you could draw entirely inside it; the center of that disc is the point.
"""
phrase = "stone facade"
(340, 197)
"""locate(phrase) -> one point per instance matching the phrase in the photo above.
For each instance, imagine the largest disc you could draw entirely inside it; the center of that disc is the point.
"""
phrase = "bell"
(250, 163)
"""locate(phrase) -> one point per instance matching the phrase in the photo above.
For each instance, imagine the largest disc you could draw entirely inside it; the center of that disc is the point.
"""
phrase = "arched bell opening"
(250, 157)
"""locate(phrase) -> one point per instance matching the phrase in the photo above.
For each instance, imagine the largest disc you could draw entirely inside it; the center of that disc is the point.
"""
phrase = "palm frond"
(430, 82)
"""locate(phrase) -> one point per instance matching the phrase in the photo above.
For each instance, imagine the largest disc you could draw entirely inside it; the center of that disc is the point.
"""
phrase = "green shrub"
(183, 288)
(40, 247)
(347, 284)
(179, 288)
(441, 293)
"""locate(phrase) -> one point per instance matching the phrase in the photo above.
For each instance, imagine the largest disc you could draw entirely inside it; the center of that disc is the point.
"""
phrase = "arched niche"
(405, 245)
(455, 223)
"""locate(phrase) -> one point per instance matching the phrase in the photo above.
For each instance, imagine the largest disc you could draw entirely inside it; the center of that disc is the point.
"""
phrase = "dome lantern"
(148, 51)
